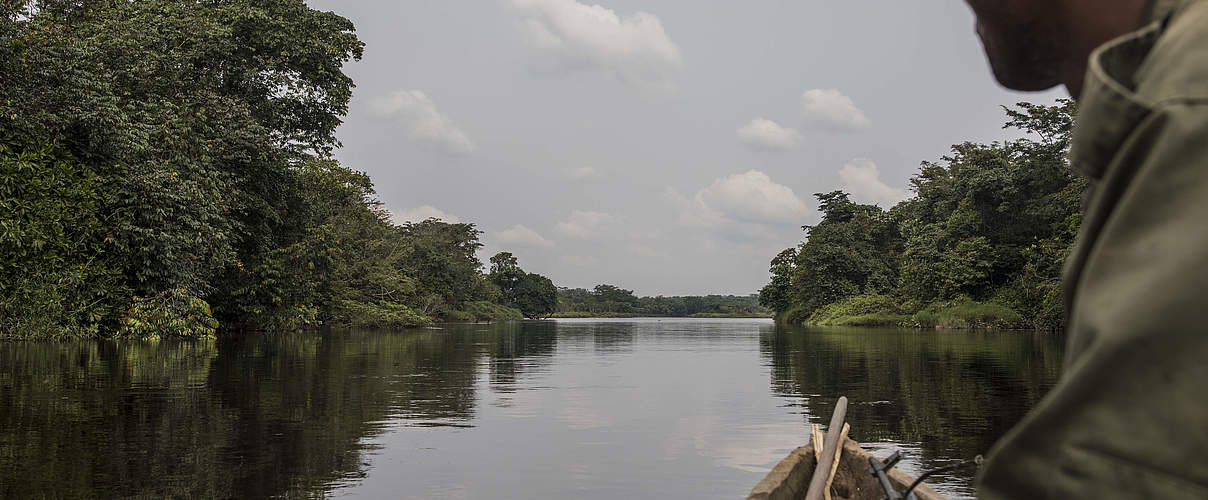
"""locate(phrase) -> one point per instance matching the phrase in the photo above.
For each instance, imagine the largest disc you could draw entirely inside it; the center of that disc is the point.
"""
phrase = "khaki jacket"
(1129, 418)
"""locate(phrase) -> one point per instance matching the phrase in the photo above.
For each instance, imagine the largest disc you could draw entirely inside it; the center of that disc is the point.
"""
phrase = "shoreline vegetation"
(979, 245)
(883, 311)
(610, 301)
(608, 315)
(166, 170)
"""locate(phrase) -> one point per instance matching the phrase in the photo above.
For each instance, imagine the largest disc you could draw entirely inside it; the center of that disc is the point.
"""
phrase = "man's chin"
(1031, 83)
(1029, 77)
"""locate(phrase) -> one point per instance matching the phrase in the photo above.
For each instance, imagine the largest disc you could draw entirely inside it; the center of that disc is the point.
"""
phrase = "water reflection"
(254, 417)
(604, 336)
(582, 409)
(939, 396)
(513, 352)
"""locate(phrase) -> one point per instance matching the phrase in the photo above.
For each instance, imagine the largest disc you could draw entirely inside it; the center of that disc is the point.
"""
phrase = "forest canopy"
(165, 169)
(980, 244)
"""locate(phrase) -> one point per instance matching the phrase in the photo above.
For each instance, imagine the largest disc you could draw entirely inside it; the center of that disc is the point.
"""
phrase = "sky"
(670, 147)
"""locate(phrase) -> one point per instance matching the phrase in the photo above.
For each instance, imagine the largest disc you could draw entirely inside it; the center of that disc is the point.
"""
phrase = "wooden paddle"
(834, 435)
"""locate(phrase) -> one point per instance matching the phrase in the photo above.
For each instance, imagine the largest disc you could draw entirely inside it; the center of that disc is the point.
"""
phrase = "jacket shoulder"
(1176, 70)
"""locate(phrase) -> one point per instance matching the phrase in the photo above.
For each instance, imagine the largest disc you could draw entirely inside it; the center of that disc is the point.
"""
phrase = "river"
(633, 408)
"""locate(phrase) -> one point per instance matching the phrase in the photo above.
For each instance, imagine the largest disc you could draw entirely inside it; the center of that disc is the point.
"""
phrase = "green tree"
(349, 267)
(206, 108)
(506, 274)
(536, 296)
(853, 250)
(777, 295)
(165, 169)
(442, 257)
(989, 223)
(611, 298)
(54, 278)
(976, 218)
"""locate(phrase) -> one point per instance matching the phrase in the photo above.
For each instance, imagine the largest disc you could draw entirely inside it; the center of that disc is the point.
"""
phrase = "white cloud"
(635, 49)
(422, 122)
(422, 213)
(741, 209)
(831, 109)
(862, 179)
(752, 197)
(693, 211)
(521, 235)
(761, 133)
(585, 225)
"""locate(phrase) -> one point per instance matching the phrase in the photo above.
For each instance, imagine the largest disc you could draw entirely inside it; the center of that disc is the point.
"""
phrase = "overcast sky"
(667, 146)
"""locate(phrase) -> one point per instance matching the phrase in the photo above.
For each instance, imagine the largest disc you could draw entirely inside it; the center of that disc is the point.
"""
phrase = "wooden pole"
(835, 465)
(817, 487)
(817, 439)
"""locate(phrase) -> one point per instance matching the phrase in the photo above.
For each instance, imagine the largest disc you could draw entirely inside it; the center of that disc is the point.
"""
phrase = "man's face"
(1021, 38)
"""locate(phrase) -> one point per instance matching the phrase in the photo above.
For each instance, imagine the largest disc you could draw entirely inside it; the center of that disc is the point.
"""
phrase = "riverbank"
(583, 314)
(380, 317)
(961, 313)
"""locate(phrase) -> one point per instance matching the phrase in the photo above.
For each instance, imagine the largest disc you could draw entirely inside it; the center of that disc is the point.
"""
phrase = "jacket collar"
(1109, 108)
(1159, 10)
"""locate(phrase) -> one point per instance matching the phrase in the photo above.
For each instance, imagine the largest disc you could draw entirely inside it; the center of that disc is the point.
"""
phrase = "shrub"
(484, 311)
(861, 310)
(963, 312)
(795, 316)
(873, 320)
(1040, 303)
(378, 315)
(172, 313)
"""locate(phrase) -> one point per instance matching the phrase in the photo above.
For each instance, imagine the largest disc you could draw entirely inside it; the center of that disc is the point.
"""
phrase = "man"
(1129, 418)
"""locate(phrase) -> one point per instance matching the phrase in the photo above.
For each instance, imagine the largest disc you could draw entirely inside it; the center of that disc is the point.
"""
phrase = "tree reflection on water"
(300, 414)
(948, 394)
(267, 415)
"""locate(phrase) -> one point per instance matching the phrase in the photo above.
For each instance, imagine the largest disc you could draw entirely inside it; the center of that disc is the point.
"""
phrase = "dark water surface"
(573, 409)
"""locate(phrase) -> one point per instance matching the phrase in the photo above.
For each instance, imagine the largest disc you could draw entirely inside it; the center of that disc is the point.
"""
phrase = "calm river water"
(629, 409)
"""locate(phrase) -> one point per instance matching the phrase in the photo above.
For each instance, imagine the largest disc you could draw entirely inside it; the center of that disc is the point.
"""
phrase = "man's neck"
(1092, 23)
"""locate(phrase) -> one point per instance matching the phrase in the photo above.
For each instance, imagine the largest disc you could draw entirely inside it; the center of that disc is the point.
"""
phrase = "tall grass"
(482, 310)
(888, 311)
(965, 313)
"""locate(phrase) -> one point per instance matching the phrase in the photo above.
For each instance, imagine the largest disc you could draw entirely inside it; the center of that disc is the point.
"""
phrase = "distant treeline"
(612, 301)
(166, 170)
(980, 244)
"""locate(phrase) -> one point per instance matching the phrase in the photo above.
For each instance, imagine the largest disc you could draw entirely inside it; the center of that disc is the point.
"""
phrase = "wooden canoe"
(791, 477)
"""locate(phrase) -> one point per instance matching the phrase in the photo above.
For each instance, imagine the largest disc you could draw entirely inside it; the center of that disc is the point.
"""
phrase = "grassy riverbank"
(476, 312)
(885, 311)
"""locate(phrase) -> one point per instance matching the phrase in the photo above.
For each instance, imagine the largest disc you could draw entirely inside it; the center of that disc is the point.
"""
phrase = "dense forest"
(980, 244)
(165, 169)
(613, 301)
